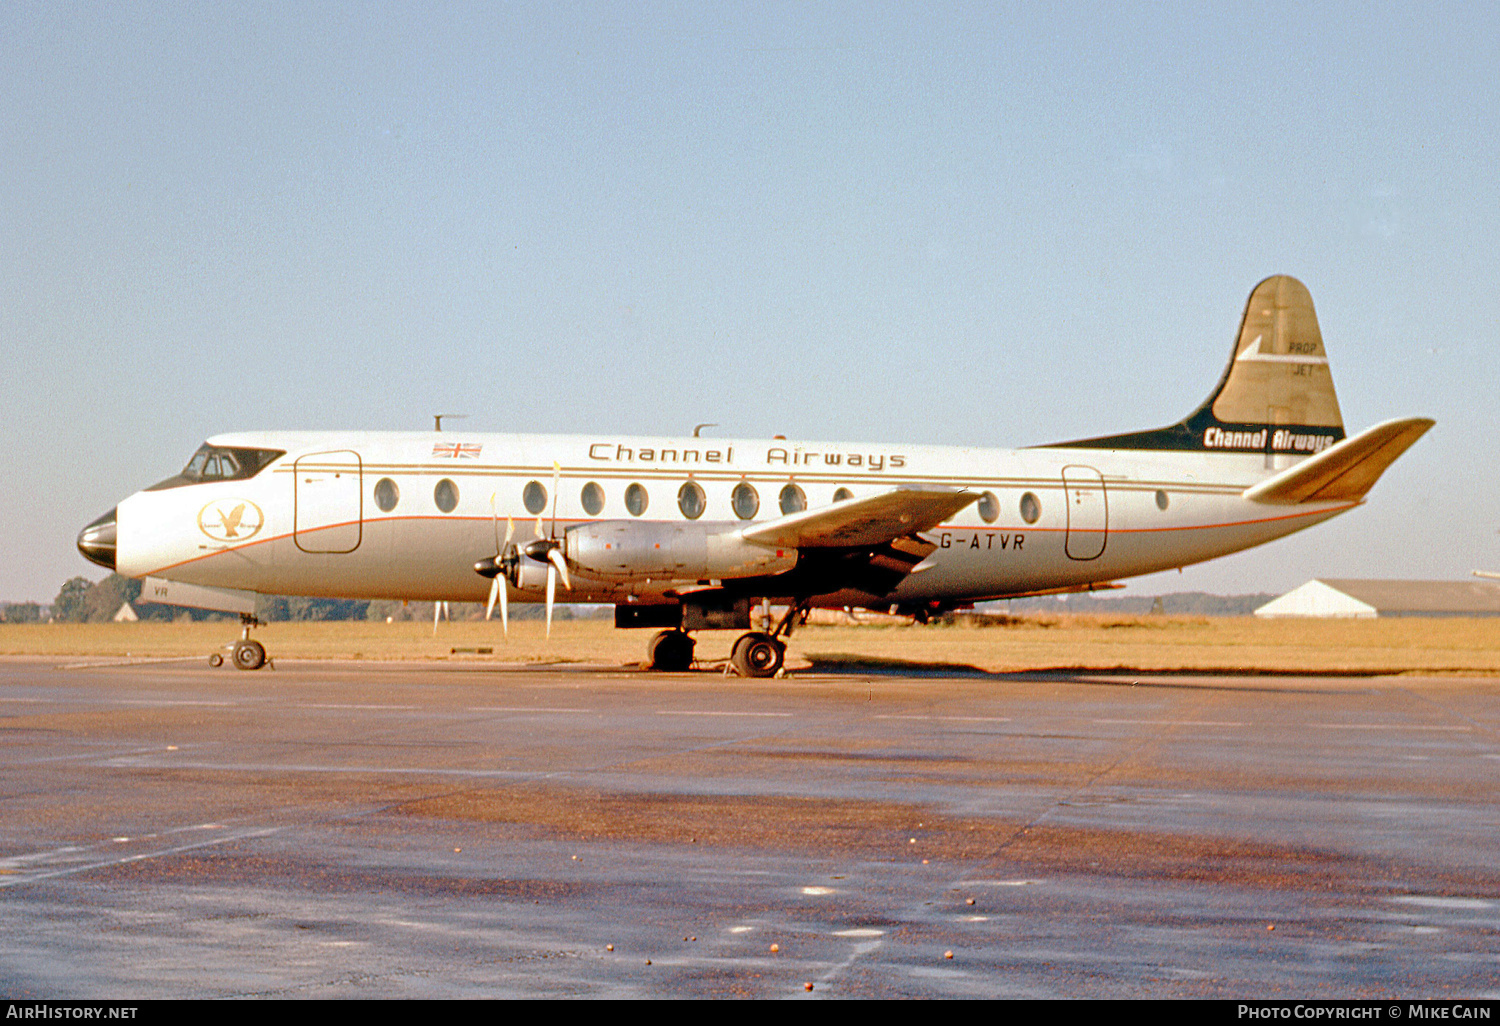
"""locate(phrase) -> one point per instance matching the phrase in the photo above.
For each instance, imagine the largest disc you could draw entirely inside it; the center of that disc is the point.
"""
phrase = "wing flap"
(1345, 471)
(872, 520)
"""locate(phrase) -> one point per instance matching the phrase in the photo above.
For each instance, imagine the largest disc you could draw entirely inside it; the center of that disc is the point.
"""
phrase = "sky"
(978, 224)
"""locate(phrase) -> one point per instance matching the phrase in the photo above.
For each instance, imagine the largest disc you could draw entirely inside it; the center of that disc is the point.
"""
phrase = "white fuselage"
(313, 522)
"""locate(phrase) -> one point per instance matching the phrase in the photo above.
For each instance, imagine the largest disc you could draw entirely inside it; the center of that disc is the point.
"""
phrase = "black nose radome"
(97, 541)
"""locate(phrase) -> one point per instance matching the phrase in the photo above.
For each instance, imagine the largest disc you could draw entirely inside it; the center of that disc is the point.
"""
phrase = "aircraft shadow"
(841, 664)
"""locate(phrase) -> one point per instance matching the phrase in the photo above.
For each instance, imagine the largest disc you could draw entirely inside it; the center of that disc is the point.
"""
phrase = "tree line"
(83, 601)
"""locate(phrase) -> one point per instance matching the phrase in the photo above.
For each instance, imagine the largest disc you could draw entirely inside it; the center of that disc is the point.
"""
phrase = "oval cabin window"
(386, 494)
(593, 499)
(989, 508)
(793, 500)
(744, 501)
(636, 500)
(691, 501)
(534, 496)
(1031, 508)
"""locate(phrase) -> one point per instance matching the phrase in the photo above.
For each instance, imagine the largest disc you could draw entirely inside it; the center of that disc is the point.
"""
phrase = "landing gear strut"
(244, 654)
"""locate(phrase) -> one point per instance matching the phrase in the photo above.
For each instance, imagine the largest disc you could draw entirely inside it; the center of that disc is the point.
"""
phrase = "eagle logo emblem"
(231, 520)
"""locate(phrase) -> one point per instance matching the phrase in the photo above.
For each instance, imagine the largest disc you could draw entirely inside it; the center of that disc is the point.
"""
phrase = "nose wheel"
(244, 654)
(248, 655)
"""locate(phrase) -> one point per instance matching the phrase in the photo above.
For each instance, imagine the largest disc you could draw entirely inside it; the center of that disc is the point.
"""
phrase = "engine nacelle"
(530, 575)
(629, 550)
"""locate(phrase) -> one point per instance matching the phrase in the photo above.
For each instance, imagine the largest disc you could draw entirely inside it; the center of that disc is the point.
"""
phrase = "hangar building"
(1369, 599)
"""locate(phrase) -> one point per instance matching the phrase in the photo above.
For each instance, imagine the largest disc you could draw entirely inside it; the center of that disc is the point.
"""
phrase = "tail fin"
(1276, 395)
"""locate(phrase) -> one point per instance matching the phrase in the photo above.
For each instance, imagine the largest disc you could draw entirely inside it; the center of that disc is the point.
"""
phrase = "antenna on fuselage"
(700, 427)
(437, 419)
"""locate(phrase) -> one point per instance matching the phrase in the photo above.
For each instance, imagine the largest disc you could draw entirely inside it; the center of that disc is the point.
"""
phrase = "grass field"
(1145, 643)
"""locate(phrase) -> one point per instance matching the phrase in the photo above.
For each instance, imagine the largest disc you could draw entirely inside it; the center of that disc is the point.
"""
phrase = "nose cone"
(97, 541)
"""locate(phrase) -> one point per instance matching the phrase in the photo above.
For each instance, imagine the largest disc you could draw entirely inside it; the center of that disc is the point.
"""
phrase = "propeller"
(505, 564)
(500, 567)
(547, 549)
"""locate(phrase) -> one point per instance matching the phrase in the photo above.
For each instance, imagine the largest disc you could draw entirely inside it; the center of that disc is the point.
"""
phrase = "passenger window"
(534, 496)
(386, 494)
(636, 500)
(989, 508)
(691, 501)
(1161, 499)
(744, 501)
(792, 500)
(446, 495)
(1031, 508)
(593, 499)
(842, 494)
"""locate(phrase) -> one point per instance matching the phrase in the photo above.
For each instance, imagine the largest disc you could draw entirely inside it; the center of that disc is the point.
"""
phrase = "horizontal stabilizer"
(1343, 472)
(871, 520)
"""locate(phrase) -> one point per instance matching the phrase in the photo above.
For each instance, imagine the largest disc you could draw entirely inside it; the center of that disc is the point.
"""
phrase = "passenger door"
(1088, 512)
(328, 501)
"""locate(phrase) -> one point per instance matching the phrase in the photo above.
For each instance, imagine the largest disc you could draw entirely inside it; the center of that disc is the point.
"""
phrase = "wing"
(871, 521)
(867, 545)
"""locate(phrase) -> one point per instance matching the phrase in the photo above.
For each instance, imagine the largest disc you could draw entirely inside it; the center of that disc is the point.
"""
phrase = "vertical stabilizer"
(1276, 396)
(1279, 373)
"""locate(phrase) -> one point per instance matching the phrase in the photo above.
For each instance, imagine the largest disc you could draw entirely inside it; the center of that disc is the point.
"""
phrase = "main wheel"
(671, 652)
(249, 655)
(757, 655)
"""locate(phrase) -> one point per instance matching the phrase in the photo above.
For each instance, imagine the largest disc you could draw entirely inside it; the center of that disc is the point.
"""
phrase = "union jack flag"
(457, 450)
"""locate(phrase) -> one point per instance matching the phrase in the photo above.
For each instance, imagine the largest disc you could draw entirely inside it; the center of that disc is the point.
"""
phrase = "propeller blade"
(551, 593)
(495, 520)
(489, 607)
(539, 534)
(504, 616)
(437, 607)
(555, 558)
(510, 529)
(556, 479)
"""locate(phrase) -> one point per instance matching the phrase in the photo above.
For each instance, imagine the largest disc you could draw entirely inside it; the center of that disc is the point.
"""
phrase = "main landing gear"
(671, 652)
(757, 654)
(245, 654)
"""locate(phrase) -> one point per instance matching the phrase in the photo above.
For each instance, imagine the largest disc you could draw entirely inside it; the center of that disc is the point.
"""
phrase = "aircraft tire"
(671, 652)
(249, 655)
(216, 660)
(757, 655)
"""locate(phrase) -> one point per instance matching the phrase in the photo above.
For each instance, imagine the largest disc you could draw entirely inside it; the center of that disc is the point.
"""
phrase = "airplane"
(685, 534)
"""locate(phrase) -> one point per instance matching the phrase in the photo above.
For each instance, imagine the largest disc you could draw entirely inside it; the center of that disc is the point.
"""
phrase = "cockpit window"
(220, 463)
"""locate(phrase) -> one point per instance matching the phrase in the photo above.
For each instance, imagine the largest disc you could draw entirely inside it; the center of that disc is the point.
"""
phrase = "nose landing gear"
(245, 654)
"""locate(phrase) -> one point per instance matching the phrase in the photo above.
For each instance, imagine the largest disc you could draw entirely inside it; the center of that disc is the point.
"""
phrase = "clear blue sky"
(984, 224)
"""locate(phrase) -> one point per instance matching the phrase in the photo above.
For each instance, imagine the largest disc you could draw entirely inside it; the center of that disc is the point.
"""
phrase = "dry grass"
(1146, 643)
